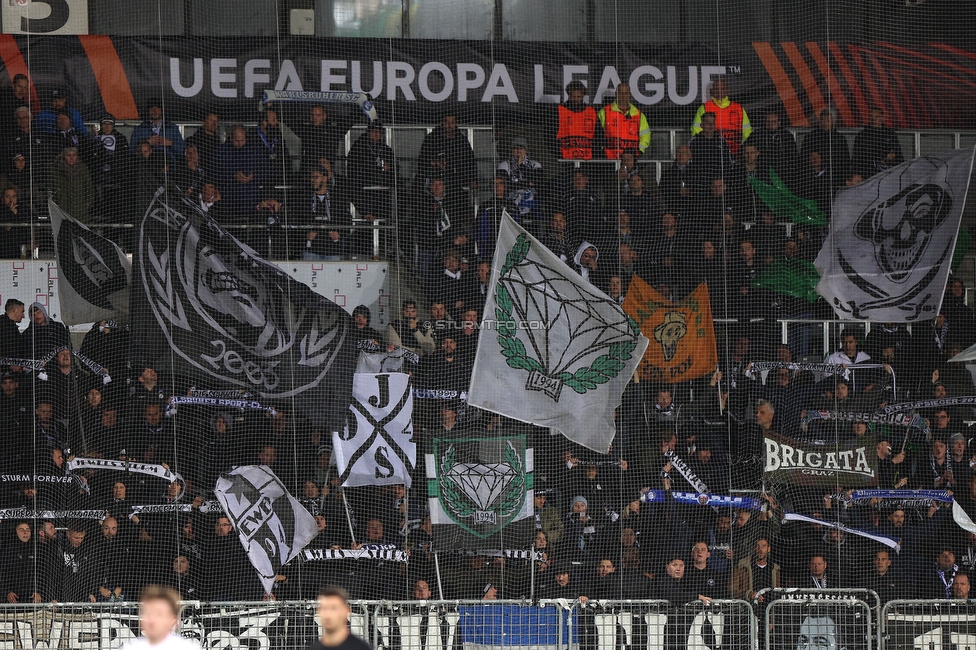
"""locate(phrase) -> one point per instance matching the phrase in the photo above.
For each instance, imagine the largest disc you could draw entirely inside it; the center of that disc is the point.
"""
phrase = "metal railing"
(910, 624)
(789, 618)
(405, 140)
(832, 618)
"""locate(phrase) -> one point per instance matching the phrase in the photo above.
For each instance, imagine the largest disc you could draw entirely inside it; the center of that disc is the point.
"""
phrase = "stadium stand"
(773, 498)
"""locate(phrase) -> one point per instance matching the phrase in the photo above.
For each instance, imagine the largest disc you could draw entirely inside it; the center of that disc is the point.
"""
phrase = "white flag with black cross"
(376, 447)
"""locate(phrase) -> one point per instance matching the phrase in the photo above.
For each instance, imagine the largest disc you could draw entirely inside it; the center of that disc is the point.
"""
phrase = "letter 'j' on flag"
(682, 337)
(558, 352)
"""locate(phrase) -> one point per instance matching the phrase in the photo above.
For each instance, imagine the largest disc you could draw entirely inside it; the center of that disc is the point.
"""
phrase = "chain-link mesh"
(214, 212)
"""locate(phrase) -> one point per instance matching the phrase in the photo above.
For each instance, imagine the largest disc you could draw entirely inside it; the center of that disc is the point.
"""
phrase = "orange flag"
(682, 335)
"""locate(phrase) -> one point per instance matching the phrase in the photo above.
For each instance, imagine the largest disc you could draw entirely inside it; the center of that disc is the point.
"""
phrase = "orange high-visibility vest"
(622, 132)
(576, 131)
(728, 121)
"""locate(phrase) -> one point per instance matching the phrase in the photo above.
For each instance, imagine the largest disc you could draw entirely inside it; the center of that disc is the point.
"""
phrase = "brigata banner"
(808, 463)
(413, 80)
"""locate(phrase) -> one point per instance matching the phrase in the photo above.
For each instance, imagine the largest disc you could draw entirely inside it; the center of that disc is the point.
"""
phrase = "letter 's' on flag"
(377, 447)
(558, 352)
(94, 275)
(682, 336)
(216, 313)
(891, 240)
(272, 525)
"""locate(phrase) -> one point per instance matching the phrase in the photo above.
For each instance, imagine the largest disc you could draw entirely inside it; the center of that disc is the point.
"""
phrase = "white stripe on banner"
(21, 513)
(124, 466)
(887, 541)
(320, 554)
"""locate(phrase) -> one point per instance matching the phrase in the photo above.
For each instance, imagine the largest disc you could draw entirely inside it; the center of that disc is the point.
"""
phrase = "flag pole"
(345, 502)
(532, 576)
(437, 571)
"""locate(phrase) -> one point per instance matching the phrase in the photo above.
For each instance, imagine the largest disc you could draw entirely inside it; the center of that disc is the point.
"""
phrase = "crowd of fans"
(596, 537)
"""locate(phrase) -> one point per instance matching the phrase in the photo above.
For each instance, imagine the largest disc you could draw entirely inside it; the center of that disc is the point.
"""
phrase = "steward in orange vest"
(577, 125)
(730, 118)
(624, 126)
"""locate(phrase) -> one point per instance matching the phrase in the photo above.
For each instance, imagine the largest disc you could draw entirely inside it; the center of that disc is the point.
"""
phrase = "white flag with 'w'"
(273, 526)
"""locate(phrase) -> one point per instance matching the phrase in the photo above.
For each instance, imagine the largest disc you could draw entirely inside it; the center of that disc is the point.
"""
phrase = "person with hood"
(585, 261)
(43, 335)
(24, 577)
(522, 176)
(447, 143)
(72, 186)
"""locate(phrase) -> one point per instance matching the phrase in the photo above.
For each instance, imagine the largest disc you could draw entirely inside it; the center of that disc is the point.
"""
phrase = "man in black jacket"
(445, 140)
(11, 344)
(876, 148)
(833, 150)
(326, 209)
(24, 577)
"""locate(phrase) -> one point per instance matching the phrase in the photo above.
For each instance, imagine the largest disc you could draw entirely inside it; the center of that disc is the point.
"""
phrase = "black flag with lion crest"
(210, 310)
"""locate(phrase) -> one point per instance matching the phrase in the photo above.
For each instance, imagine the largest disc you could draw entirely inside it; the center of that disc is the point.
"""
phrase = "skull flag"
(224, 318)
(681, 335)
(890, 246)
(273, 526)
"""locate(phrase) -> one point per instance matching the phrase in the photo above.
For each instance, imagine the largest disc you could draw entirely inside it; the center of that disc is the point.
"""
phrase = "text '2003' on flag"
(559, 352)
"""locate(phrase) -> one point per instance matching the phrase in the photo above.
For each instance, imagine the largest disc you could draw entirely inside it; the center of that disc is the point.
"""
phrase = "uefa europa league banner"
(849, 464)
(414, 80)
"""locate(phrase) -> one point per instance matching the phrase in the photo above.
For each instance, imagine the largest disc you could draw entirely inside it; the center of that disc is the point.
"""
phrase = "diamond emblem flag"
(376, 447)
(480, 492)
(559, 352)
(891, 240)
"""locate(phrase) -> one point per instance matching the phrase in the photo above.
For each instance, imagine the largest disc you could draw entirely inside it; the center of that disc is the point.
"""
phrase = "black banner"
(224, 316)
(413, 80)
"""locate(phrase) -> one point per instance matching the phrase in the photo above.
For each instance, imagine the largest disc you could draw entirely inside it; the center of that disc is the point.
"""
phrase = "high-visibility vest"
(622, 132)
(576, 131)
(728, 121)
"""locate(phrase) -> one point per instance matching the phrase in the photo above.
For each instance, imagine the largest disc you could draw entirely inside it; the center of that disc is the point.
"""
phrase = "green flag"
(793, 277)
(785, 204)
(962, 247)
